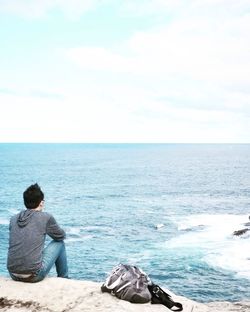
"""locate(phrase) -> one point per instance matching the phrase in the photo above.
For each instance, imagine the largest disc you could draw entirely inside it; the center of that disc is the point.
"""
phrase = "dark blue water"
(170, 209)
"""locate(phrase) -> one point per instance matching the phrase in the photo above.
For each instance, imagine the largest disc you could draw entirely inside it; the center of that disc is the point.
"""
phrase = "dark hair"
(33, 196)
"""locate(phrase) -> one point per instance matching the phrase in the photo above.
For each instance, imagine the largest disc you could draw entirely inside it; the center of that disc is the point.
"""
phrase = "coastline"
(63, 295)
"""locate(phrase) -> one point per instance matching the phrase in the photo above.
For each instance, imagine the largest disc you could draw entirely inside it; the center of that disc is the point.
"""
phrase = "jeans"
(54, 253)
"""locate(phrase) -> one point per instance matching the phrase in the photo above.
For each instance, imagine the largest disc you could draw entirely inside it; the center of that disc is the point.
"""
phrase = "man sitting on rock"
(28, 261)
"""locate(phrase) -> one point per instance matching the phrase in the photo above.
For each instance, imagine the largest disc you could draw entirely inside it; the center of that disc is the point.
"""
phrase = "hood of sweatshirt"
(24, 217)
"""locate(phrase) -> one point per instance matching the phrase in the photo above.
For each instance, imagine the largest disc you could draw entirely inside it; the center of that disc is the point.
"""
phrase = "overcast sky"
(125, 71)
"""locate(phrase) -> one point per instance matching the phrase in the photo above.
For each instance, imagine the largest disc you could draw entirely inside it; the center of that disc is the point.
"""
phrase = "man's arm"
(54, 230)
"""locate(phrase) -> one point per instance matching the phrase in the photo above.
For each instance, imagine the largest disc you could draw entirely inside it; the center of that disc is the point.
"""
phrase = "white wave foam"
(158, 226)
(13, 211)
(76, 234)
(213, 236)
(220, 223)
(4, 221)
(79, 239)
(205, 230)
(234, 257)
(81, 233)
(73, 230)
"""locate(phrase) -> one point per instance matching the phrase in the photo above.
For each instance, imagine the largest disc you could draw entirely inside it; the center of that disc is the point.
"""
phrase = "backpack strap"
(115, 272)
(125, 285)
(113, 285)
(159, 296)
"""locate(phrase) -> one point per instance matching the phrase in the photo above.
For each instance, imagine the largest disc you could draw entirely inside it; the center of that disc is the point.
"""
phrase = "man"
(28, 261)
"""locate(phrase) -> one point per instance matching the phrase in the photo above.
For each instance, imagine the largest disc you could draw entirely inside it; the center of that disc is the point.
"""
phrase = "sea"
(170, 209)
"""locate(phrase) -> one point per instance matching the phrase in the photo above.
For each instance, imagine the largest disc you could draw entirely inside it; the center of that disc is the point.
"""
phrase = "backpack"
(129, 283)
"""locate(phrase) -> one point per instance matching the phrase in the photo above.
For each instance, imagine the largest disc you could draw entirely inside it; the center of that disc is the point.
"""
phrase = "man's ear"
(41, 205)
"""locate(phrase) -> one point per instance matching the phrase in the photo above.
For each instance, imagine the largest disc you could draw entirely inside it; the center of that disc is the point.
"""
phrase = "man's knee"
(58, 243)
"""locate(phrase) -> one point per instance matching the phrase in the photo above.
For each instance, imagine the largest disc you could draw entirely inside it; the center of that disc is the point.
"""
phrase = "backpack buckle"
(156, 290)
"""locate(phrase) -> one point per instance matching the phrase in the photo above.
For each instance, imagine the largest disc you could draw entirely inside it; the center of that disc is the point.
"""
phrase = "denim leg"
(55, 253)
(61, 263)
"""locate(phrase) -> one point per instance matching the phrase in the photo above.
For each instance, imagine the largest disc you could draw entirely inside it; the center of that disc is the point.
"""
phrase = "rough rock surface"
(62, 295)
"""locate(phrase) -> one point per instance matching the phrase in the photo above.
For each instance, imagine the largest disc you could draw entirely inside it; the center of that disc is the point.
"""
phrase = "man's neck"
(39, 208)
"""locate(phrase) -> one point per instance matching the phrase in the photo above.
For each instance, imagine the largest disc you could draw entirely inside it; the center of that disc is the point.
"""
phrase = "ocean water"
(169, 208)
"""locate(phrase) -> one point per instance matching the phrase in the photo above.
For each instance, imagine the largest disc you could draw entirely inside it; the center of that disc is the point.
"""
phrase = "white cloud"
(74, 118)
(150, 7)
(209, 53)
(191, 48)
(170, 8)
(39, 8)
(157, 8)
(128, 115)
(27, 8)
(75, 8)
(100, 59)
(184, 80)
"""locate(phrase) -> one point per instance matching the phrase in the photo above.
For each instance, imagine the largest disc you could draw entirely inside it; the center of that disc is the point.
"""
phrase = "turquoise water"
(170, 209)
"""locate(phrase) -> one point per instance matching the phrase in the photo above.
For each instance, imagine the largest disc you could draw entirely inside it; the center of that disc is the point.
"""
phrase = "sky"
(125, 71)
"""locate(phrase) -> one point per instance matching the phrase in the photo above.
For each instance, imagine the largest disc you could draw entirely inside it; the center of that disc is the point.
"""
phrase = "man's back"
(27, 236)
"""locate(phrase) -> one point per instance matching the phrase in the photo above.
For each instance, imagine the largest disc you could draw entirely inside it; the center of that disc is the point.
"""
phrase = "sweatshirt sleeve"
(54, 230)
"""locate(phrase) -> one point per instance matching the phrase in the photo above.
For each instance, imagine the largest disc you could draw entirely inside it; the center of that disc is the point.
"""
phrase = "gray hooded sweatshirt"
(28, 230)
